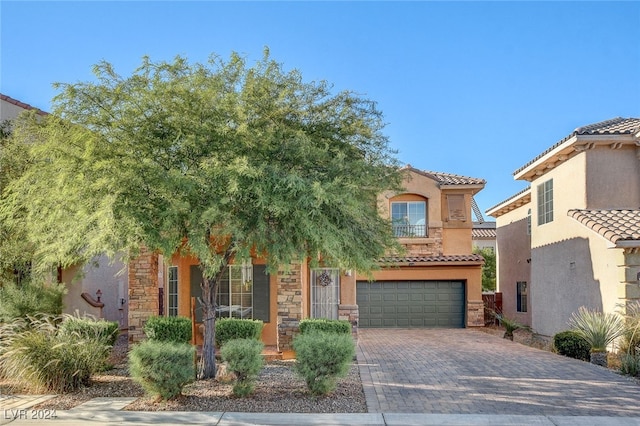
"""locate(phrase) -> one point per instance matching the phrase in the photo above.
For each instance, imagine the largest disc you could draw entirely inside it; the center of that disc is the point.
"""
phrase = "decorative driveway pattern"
(462, 371)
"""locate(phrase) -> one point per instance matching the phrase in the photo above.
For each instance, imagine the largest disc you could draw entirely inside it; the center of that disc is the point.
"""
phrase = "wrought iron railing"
(409, 231)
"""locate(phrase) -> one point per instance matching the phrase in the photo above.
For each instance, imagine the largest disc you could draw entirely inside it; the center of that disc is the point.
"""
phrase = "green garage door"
(411, 304)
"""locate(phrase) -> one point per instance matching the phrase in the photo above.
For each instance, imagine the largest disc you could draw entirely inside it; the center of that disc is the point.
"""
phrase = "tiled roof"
(433, 259)
(614, 225)
(21, 104)
(452, 179)
(615, 126)
(483, 233)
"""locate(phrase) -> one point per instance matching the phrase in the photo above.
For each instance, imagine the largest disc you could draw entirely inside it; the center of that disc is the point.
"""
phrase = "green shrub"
(168, 329)
(88, 327)
(30, 298)
(234, 328)
(571, 344)
(630, 364)
(321, 358)
(325, 325)
(162, 368)
(597, 328)
(39, 357)
(244, 357)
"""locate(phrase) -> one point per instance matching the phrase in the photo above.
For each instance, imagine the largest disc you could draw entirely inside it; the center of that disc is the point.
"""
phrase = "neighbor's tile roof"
(21, 104)
(615, 126)
(614, 225)
(433, 259)
(483, 233)
(452, 179)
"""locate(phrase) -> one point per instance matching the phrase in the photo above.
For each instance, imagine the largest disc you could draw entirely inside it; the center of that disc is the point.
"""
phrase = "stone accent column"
(350, 313)
(475, 313)
(143, 292)
(629, 285)
(289, 306)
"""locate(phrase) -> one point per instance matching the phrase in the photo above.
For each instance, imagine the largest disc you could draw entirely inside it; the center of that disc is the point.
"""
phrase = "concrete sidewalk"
(92, 417)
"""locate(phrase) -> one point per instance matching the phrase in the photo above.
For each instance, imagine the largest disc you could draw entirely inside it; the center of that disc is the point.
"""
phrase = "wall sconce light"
(348, 272)
(98, 294)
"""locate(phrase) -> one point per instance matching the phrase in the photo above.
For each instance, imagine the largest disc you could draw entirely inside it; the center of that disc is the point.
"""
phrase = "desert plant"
(244, 358)
(509, 325)
(30, 298)
(35, 353)
(168, 329)
(570, 343)
(90, 327)
(630, 364)
(321, 358)
(630, 341)
(598, 329)
(162, 368)
(326, 325)
(235, 328)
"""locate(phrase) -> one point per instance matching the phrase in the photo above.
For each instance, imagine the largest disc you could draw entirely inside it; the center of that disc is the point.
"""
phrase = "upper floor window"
(409, 218)
(545, 202)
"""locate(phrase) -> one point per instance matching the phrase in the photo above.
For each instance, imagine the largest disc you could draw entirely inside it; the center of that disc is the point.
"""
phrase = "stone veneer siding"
(350, 313)
(431, 246)
(289, 306)
(143, 292)
(475, 313)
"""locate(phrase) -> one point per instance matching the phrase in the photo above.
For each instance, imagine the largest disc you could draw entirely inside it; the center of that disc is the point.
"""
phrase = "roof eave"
(627, 243)
(518, 200)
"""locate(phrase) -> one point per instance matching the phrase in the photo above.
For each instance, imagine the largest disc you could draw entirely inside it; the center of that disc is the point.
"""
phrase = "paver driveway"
(464, 371)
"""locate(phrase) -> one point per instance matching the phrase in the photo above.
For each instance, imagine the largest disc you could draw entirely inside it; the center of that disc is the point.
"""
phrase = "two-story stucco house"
(572, 238)
(98, 288)
(437, 283)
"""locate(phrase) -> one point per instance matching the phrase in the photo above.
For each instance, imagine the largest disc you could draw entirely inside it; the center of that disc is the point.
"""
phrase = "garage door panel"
(411, 303)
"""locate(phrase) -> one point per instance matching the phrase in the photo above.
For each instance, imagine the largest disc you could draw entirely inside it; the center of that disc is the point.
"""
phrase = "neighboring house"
(437, 283)
(573, 237)
(100, 279)
(483, 236)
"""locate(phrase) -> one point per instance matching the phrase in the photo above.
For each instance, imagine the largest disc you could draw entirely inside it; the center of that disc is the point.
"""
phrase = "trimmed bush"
(168, 329)
(244, 357)
(36, 354)
(29, 299)
(309, 325)
(162, 368)
(571, 344)
(86, 327)
(321, 358)
(234, 328)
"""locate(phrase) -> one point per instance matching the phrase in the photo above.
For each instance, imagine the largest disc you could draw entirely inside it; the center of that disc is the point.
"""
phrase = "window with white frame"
(325, 293)
(521, 296)
(172, 294)
(545, 202)
(409, 218)
(235, 295)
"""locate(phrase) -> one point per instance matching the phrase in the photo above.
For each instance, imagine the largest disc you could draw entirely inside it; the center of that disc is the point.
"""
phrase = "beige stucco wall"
(110, 278)
(9, 111)
(613, 178)
(514, 261)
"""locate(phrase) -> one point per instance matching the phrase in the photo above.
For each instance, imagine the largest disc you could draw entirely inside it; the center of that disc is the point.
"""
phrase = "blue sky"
(472, 88)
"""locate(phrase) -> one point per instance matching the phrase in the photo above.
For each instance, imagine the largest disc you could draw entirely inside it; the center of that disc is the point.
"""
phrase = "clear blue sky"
(473, 88)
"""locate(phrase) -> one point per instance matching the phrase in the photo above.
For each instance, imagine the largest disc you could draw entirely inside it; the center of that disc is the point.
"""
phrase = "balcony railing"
(409, 231)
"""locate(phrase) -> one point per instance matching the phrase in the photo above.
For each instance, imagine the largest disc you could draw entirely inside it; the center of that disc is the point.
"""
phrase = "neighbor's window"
(173, 291)
(409, 218)
(545, 202)
(521, 296)
(529, 222)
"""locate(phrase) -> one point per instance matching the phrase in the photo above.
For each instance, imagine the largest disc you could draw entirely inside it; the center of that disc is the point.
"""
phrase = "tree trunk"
(207, 364)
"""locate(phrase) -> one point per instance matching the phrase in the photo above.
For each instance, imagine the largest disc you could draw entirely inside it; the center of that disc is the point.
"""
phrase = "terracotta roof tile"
(453, 179)
(433, 259)
(614, 225)
(483, 233)
(21, 104)
(614, 126)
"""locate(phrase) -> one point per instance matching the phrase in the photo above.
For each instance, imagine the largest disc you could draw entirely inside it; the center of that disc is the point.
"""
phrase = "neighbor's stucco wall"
(514, 261)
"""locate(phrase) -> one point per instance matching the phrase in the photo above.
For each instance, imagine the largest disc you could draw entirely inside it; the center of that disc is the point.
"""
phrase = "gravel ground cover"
(278, 390)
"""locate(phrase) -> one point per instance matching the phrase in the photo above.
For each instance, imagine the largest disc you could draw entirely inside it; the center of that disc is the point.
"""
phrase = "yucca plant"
(509, 325)
(598, 329)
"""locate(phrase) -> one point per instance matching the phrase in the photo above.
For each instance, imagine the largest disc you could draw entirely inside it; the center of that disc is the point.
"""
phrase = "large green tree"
(214, 159)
